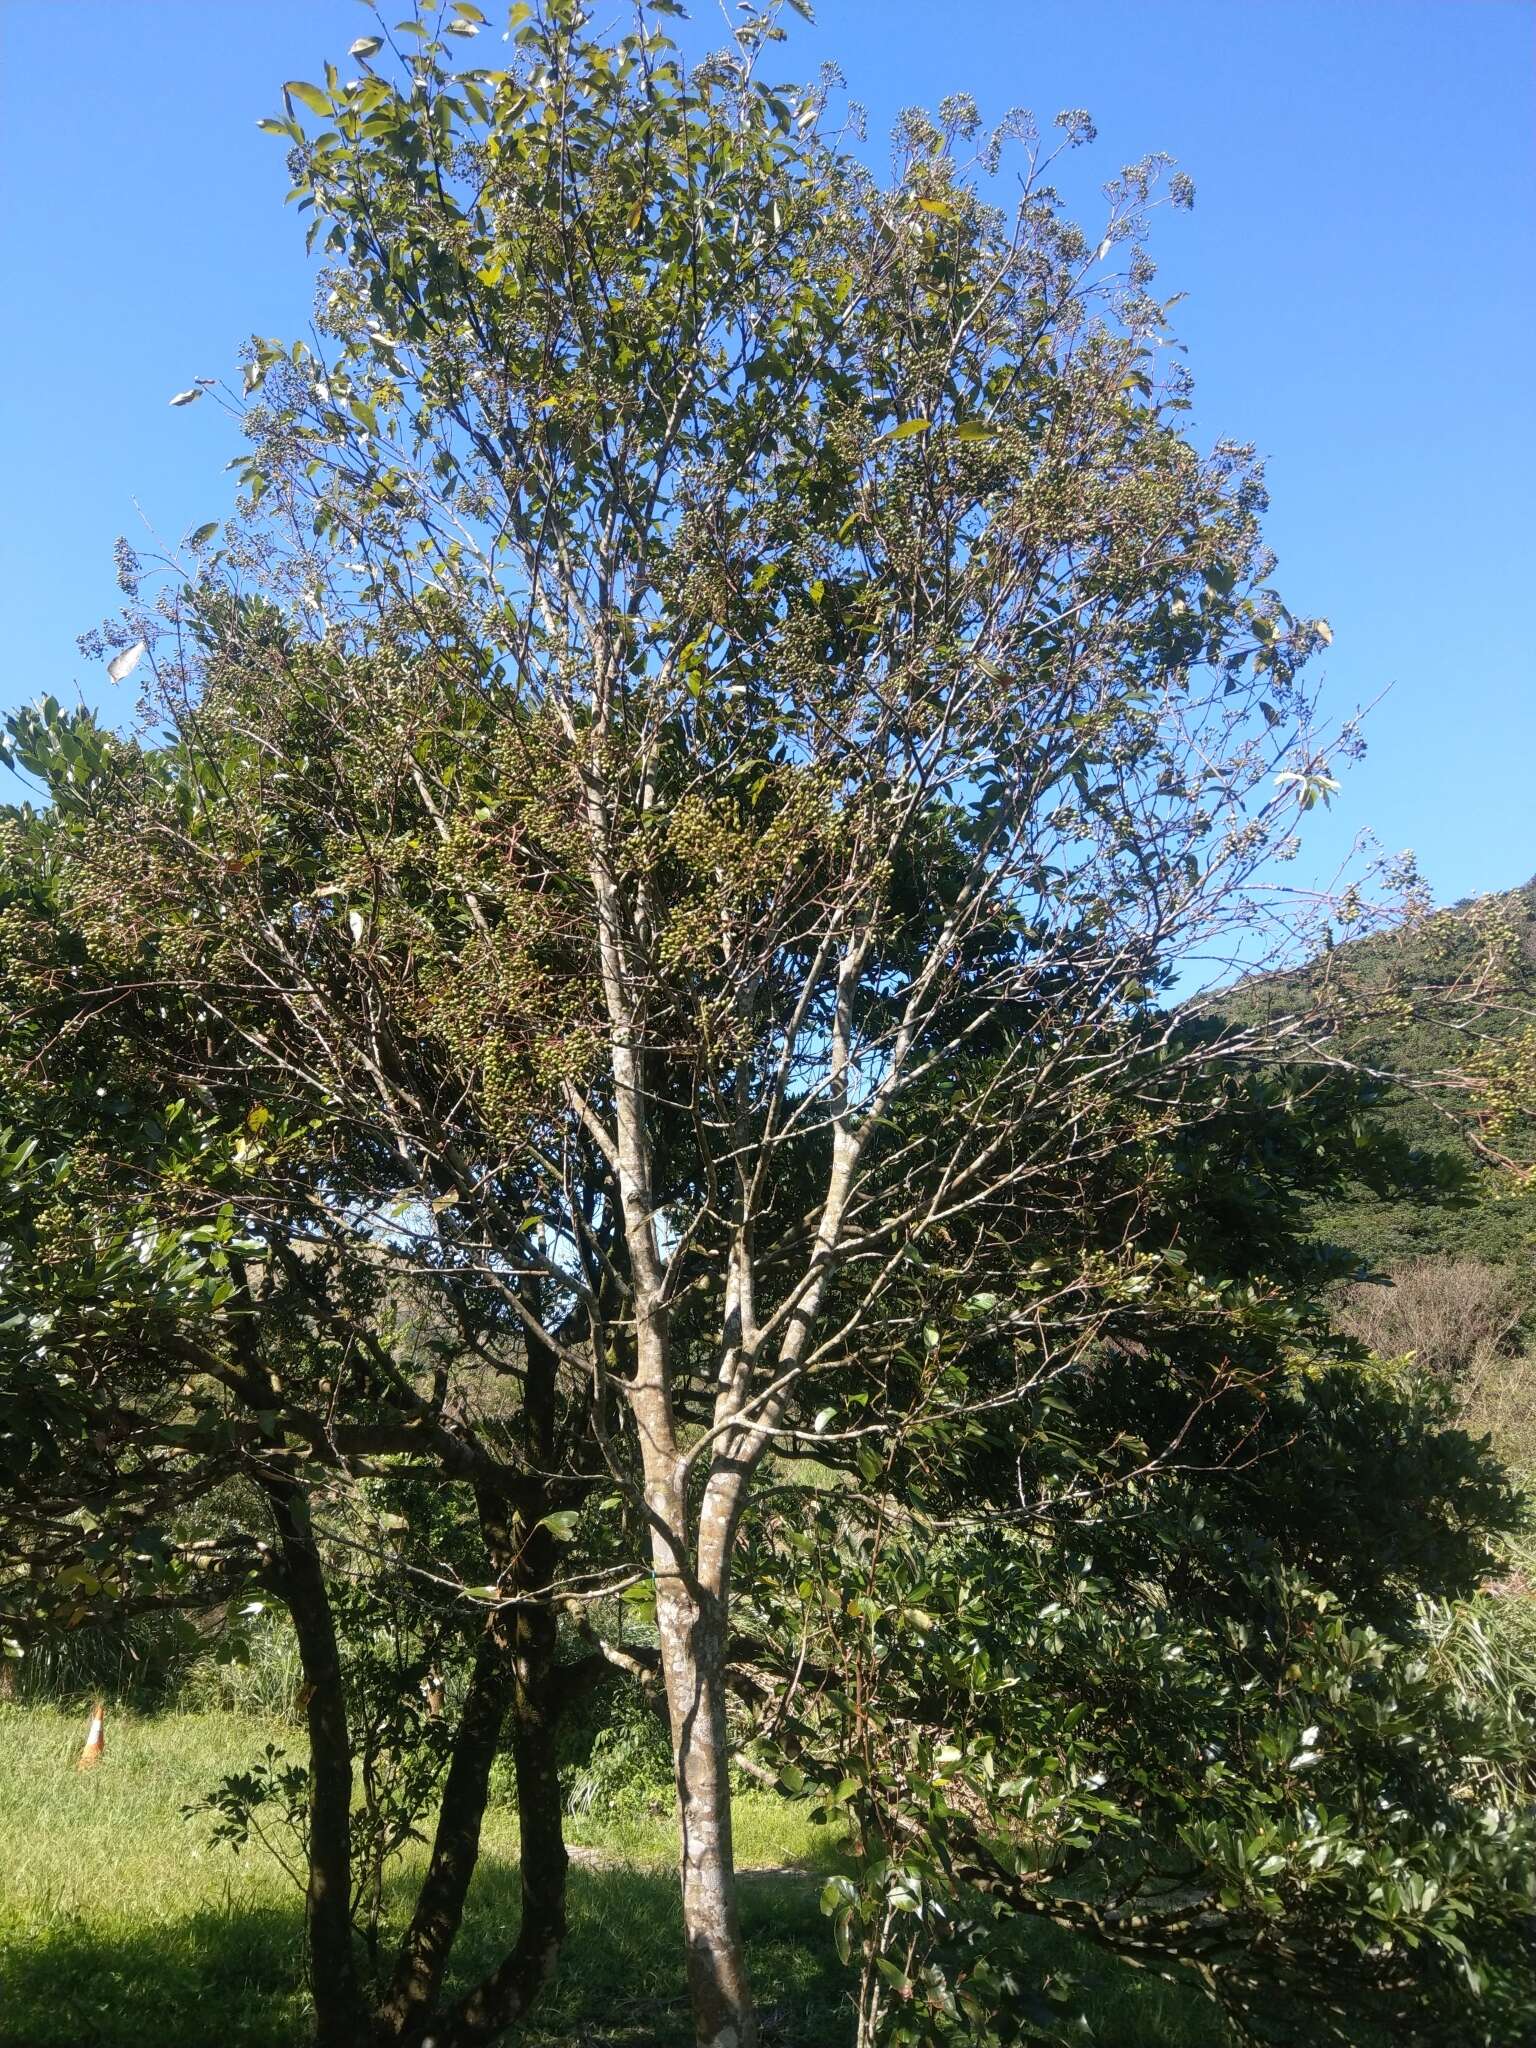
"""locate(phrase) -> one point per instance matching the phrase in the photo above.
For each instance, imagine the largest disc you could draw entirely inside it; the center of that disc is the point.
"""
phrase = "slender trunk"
(429, 1939)
(692, 1623)
(339, 2014)
(505, 1996)
(691, 1607)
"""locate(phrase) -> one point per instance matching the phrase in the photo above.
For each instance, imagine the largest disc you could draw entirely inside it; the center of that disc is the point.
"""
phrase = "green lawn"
(119, 1925)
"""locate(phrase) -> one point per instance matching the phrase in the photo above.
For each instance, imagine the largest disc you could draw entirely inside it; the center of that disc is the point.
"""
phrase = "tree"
(681, 796)
(1179, 1651)
(224, 1385)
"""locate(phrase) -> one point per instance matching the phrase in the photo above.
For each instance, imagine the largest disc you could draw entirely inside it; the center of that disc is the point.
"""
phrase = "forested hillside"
(1442, 1011)
(1437, 1021)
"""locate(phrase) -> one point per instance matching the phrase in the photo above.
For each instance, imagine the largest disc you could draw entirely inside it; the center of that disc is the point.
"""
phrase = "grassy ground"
(119, 1924)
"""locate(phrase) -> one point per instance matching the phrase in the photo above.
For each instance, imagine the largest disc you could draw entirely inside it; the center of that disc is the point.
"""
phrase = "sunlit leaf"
(307, 95)
(905, 431)
(123, 665)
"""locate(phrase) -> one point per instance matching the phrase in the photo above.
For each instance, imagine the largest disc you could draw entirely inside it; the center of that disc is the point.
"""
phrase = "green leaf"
(561, 1525)
(307, 95)
(202, 533)
(904, 432)
(975, 430)
(365, 47)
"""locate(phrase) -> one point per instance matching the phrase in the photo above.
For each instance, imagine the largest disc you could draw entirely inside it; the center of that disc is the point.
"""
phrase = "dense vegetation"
(606, 1185)
(1443, 1011)
(1438, 1018)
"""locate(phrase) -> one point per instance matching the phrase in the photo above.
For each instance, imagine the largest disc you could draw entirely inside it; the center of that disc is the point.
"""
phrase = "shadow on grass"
(217, 1979)
(234, 1978)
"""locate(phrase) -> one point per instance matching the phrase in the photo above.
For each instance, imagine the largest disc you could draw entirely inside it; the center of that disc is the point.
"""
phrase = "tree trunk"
(505, 1996)
(340, 2021)
(429, 1940)
(691, 1622)
(691, 1606)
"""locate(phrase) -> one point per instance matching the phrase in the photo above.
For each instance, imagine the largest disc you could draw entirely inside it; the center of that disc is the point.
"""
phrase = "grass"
(120, 1925)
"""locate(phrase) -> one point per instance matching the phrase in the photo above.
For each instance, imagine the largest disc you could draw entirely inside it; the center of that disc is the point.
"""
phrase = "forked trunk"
(690, 1605)
(513, 1678)
(692, 1626)
(429, 1939)
(506, 1995)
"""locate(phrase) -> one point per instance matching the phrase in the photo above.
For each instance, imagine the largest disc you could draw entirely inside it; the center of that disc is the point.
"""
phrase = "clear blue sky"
(1360, 263)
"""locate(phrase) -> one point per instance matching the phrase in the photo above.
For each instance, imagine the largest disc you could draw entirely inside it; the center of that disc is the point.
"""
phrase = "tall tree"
(714, 641)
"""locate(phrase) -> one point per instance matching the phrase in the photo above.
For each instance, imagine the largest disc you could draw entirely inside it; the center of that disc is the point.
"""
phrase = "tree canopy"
(638, 945)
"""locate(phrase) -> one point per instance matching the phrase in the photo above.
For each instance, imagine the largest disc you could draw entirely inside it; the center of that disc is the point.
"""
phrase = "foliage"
(639, 939)
(1434, 1016)
(622, 1761)
(1468, 1323)
(171, 1435)
(1211, 1731)
(1447, 1314)
(1190, 1660)
(1441, 1010)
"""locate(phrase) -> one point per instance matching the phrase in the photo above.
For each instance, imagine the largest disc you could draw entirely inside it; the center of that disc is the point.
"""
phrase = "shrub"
(1465, 1321)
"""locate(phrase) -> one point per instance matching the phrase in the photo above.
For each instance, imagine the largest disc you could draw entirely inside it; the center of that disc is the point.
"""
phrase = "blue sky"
(1359, 267)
